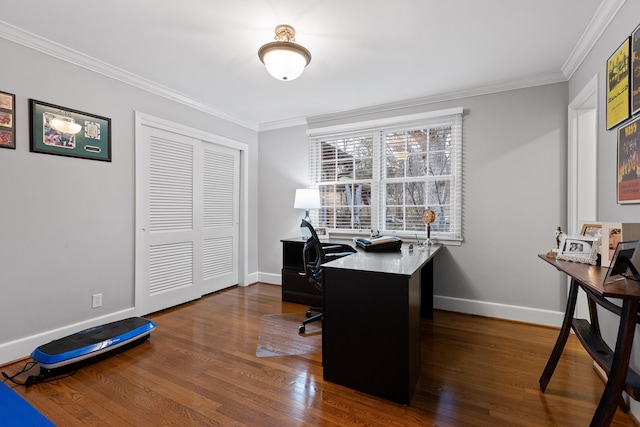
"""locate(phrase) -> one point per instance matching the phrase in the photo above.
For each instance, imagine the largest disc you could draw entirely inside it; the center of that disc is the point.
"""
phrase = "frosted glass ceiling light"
(284, 59)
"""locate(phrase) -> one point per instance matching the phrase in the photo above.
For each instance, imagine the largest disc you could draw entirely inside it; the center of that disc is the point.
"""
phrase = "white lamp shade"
(284, 64)
(307, 198)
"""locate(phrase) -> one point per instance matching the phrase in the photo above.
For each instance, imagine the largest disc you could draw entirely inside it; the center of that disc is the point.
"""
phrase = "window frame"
(377, 130)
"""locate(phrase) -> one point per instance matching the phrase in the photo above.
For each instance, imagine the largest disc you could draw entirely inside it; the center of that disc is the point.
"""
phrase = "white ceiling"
(364, 52)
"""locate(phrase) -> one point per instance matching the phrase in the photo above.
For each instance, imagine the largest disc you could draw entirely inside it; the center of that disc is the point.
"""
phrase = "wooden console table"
(615, 363)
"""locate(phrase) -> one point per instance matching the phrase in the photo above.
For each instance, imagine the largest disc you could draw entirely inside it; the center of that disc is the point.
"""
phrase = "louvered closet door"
(221, 207)
(188, 199)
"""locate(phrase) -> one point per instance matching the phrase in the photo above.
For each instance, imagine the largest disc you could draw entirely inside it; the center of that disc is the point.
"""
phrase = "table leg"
(562, 337)
(619, 366)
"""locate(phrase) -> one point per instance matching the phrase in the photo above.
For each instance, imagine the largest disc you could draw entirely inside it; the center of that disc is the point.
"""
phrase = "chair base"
(310, 318)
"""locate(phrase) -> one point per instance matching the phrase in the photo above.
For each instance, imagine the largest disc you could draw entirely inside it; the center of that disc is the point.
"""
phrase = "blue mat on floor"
(15, 411)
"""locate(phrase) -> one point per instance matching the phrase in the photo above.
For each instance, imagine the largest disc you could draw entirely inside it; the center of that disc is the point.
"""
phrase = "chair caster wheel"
(301, 329)
(308, 314)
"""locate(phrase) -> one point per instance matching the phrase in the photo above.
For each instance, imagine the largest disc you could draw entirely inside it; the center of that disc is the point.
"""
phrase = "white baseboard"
(500, 311)
(272, 279)
(23, 347)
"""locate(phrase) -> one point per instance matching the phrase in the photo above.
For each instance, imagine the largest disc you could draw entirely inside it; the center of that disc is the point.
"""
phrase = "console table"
(615, 363)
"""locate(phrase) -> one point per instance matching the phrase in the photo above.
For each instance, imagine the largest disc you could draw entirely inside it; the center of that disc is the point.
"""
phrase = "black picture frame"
(93, 141)
(624, 263)
(7, 120)
(635, 71)
(618, 76)
(627, 168)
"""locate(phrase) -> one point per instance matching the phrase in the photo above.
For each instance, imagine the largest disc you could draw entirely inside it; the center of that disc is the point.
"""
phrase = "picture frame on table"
(7, 120)
(92, 141)
(322, 232)
(628, 169)
(624, 263)
(618, 81)
(591, 229)
(583, 249)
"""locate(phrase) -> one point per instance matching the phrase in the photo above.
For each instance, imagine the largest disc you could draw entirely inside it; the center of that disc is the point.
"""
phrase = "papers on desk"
(382, 243)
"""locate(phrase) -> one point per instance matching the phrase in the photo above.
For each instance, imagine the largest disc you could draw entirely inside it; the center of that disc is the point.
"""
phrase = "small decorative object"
(582, 249)
(7, 120)
(65, 132)
(559, 235)
(628, 172)
(618, 98)
(428, 216)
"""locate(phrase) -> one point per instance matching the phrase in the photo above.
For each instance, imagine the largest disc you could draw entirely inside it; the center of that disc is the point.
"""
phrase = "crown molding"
(280, 124)
(604, 15)
(489, 88)
(56, 50)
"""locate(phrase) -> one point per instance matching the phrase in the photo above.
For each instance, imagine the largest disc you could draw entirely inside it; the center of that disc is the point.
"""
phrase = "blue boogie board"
(93, 344)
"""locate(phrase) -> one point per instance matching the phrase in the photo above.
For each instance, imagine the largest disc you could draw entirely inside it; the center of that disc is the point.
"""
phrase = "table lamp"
(307, 198)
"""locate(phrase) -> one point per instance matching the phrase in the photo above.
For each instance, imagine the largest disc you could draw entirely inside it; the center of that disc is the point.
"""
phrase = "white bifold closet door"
(187, 237)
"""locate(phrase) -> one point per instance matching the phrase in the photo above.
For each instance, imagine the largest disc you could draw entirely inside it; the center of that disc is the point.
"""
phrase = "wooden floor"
(199, 369)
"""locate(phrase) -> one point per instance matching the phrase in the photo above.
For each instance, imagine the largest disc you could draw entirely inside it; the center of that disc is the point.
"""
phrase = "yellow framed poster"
(618, 104)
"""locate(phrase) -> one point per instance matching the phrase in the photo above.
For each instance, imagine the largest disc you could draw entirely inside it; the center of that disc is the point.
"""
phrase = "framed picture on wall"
(627, 171)
(618, 85)
(66, 132)
(7, 120)
(635, 71)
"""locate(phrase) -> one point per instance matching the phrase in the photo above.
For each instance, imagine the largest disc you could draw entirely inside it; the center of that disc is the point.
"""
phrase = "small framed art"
(66, 132)
(582, 249)
(628, 171)
(624, 264)
(618, 85)
(7, 120)
(593, 230)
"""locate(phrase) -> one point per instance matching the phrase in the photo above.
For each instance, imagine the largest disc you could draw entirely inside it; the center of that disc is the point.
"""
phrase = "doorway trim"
(585, 102)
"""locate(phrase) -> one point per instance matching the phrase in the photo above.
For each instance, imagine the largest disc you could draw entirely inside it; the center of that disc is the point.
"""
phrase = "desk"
(371, 330)
(615, 363)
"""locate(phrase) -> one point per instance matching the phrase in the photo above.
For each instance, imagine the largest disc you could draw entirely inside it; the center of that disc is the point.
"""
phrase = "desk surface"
(401, 262)
(592, 277)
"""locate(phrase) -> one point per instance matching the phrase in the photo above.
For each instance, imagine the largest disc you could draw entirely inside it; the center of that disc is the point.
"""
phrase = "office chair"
(314, 255)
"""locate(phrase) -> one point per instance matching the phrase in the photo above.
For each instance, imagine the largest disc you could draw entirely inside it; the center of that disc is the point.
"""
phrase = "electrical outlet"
(96, 301)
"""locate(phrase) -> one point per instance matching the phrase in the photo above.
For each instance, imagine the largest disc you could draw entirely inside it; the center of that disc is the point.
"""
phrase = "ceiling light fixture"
(284, 59)
(65, 124)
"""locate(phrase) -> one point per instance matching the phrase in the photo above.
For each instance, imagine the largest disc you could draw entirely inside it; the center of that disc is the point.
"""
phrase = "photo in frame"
(627, 171)
(582, 249)
(592, 230)
(322, 233)
(7, 120)
(618, 98)
(91, 141)
(624, 263)
(635, 71)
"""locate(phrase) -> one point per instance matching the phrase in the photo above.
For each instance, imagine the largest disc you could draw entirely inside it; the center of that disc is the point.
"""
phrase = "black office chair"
(314, 254)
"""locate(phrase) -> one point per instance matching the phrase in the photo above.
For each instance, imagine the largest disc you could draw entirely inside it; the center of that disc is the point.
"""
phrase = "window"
(382, 175)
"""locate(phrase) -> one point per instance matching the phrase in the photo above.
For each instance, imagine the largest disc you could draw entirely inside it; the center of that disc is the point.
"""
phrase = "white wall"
(514, 182)
(66, 224)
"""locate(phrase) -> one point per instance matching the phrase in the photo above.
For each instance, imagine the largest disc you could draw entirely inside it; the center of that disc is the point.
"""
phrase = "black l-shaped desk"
(373, 302)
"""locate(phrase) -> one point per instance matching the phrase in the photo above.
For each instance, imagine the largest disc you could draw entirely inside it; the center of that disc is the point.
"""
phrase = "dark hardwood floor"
(199, 369)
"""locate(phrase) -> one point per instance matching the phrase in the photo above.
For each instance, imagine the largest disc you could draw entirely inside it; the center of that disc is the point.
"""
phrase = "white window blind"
(383, 174)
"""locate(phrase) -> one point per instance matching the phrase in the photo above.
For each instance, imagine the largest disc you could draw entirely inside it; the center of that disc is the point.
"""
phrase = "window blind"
(383, 174)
